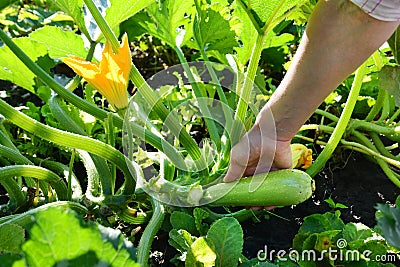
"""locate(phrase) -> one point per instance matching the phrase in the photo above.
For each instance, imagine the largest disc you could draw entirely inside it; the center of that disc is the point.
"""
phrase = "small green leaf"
(11, 238)
(389, 79)
(256, 263)
(182, 220)
(314, 224)
(199, 215)
(200, 254)
(227, 236)
(181, 240)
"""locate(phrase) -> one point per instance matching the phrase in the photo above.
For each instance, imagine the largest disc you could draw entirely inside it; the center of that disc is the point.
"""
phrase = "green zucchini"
(276, 188)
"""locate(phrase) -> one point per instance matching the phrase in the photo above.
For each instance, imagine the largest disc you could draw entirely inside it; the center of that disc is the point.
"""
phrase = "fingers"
(238, 163)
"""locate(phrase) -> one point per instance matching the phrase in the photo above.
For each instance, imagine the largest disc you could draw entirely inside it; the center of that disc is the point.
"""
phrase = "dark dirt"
(358, 183)
(350, 179)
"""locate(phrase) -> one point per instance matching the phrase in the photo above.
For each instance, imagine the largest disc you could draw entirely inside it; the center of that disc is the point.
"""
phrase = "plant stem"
(69, 178)
(244, 90)
(143, 249)
(38, 173)
(148, 93)
(384, 165)
(341, 125)
(100, 165)
(371, 152)
(111, 141)
(69, 140)
(389, 131)
(327, 115)
(380, 146)
(212, 129)
(382, 92)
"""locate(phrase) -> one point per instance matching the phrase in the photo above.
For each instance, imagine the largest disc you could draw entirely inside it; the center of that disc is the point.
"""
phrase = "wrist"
(274, 127)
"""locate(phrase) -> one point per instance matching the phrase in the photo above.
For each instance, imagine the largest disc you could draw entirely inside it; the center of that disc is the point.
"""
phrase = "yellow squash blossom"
(301, 156)
(110, 76)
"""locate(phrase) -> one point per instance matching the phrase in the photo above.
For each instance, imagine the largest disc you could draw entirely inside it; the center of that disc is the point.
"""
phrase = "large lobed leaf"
(266, 13)
(13, 69)
(215, 28)
(50, 40)
(121, 10)
(168, 20)
(59, 237)
(116, 12)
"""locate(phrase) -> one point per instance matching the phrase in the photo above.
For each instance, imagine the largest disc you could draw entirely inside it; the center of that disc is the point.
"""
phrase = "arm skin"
(339, 37)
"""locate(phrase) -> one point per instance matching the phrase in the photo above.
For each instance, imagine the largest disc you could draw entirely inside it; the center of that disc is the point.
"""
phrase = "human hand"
(257, 153)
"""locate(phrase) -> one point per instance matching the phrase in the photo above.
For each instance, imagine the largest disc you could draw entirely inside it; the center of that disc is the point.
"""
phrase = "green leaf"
(13, 69)
(247, 36)
(199, 215)
(75, 10)
(226, 234)
(355, 234)
(316, 223)
(388, 220)
(214, 27)
(394, 44)
(389, 79)
(121, 10)
(273, 40)
(200, 254)
(182, 220)
(14, 260)
(265, 14)
(168, 19)
(6, 3)
(11, 238)
(181, 240)
(59, 43)
(60, 237)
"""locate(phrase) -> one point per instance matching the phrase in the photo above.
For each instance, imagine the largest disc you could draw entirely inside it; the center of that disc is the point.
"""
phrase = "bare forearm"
(339, 38)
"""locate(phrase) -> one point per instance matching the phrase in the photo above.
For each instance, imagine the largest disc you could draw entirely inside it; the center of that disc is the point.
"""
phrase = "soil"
(350, 179)
(358, 183)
